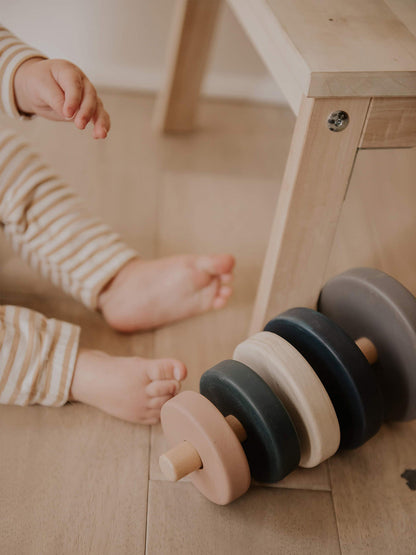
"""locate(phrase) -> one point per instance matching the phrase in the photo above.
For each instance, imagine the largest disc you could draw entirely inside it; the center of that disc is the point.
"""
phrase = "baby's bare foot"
(147, 294)
(130, 388)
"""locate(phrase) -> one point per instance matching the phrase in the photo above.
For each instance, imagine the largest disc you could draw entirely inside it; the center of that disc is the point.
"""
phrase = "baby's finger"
(101, 121)
(71, 82)
(88, 106)
(52, 95)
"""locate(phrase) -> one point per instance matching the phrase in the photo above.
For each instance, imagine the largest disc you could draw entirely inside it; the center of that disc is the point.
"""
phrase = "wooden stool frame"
(381, 109)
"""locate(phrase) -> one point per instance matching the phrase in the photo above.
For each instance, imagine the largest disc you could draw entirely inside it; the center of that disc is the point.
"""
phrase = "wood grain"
(192, 30)
(391, 123)
(331, 37)
(316, 48)
(310, 201)
(378, 225)
(376, 510)
(263, 521)
(275, 48)
(405, 11)
(67, 473)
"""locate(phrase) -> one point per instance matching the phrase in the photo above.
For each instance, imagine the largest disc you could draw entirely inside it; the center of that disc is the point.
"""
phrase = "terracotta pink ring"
(225, 474)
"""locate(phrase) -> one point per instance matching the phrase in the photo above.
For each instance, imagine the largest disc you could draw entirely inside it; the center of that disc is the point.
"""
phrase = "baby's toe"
(222, 297)
(219, 303)
(158, 402)
(162, 388)
(224, 292)
(152, 417)
(226, 278)
(166, 369)
(216, 264)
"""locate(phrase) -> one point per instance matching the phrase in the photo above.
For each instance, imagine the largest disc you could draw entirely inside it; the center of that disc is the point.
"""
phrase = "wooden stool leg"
(193, 28)
(313, 189)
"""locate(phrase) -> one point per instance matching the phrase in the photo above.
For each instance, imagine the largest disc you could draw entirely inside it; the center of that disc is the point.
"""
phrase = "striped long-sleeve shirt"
(48, 225)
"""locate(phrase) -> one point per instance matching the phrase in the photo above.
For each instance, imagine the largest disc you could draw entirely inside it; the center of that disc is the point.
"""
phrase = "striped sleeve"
(49, 227)
(13, 52)
(37, 358)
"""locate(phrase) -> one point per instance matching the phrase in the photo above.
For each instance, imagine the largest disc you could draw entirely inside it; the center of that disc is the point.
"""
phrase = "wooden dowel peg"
(368, 349)
(236, 427)
(180, 461)
(183, 459)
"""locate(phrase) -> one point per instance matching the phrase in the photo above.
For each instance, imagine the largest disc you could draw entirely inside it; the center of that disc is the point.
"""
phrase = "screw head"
(338, 121)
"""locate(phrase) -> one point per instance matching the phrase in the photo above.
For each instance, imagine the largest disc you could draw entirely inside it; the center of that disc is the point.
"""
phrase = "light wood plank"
(316, 48)
(375, 509)
(377, 226)
(391, 123)
(405, 11)
(275, 48)
(66, 482)
(331, 36)
(192, 30)
(67, 473)
(310, 201)
(181, 520)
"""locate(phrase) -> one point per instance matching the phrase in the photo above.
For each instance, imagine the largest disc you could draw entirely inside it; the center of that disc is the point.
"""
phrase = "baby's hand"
(59, 90)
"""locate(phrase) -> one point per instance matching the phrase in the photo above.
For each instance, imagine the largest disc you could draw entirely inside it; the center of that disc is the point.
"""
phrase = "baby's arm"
(31, 84)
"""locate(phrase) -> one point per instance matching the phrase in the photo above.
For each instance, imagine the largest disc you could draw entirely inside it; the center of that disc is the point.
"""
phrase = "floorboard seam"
(149, 452)
(146, 528)
(156, 254)
(333, 506)
(278, 488)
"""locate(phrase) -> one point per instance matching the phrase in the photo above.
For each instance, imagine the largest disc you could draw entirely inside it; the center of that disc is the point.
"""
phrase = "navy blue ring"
(272, 445)
(342, 368)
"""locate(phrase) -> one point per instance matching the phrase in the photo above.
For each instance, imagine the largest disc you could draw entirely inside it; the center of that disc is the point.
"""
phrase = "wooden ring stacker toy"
(342, 367)
(293, 381)
(253, 413)
(368, 303)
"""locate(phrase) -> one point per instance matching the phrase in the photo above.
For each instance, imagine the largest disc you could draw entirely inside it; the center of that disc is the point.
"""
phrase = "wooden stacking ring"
(293, 380)
(194, 423)
(271, 445)
(342, 368)
(369, 303)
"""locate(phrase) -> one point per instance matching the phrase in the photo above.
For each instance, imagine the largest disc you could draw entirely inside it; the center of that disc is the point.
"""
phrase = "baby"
(47, 224)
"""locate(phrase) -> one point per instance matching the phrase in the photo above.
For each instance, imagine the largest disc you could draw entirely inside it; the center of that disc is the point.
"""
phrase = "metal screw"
(338, 121)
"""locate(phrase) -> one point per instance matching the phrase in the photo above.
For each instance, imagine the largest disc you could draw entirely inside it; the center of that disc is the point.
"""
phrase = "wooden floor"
(74, 481)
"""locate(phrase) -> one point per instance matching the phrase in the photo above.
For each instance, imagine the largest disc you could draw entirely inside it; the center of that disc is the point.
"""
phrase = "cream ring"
(293, 380)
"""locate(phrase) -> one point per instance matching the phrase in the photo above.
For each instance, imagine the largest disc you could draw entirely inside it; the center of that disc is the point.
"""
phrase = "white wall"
(122, 43)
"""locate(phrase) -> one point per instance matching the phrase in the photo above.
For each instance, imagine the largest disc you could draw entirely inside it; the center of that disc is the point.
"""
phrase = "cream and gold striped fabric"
(13, 52)
(48, 225)
(37, 357)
